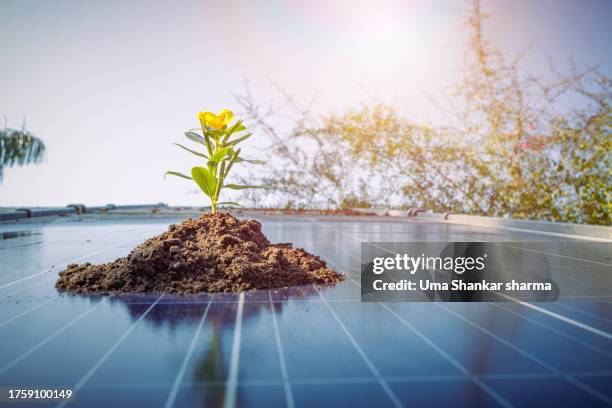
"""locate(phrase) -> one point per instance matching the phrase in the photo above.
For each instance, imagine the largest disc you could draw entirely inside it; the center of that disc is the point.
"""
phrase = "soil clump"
(212, 253)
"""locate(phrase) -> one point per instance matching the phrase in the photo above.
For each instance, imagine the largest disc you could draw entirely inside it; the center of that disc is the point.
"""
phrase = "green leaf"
(191, 151)
(231, 162)
(235, 128)
(208, 144)
(219, 154)
(220, 180)
(239, 187)
(240, 139)
(205, 179)
(229, 203)
(215, 134)
(177, 174)
(232, 130)
(195, 137)
(240, 159)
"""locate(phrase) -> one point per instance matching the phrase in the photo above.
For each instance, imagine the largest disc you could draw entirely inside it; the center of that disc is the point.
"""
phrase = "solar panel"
(299, 346)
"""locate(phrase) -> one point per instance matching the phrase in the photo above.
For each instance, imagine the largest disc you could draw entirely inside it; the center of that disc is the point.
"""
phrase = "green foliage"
(177, 174)
(191, 151)
(19, 147)
(503, 150)
(219, 143)
(205, 179)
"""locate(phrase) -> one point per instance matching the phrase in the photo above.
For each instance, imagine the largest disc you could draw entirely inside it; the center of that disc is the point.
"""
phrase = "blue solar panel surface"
(305, 346)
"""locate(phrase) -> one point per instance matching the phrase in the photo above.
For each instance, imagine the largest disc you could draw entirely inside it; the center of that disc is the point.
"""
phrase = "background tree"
(19, 147)
(505, 149)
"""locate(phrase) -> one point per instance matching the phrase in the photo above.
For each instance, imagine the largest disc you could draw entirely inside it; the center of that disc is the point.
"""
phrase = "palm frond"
(18, 148)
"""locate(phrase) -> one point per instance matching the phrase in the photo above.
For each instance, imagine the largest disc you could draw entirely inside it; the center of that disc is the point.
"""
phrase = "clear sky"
(109, 85)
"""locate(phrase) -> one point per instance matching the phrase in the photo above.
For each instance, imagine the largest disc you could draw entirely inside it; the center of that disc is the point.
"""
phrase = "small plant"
(220, 139)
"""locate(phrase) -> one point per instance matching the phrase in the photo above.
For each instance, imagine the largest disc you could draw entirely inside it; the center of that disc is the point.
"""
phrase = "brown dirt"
(213, 253)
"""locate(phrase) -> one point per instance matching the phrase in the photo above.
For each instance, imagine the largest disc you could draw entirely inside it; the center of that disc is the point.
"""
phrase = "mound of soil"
(213, 253)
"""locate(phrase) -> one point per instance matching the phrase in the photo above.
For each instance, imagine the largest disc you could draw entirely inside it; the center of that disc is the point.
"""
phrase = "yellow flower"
(216, 122)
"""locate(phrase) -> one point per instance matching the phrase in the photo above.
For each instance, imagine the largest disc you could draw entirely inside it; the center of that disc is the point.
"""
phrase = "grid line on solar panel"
(65, 263)
(231, 386)
(108, 353)
(59, 245)
(47, 339)
(355, 380)
(564, 318)
(26, 312)
(502, 401)
(179, 376)
(574, 381)
(560, 333)
(41, 282)
(341, 296)
(281, 357)
(363, 355)
(582, 312)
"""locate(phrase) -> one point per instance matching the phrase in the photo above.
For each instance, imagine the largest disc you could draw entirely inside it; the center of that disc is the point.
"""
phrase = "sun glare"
(374, 37)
